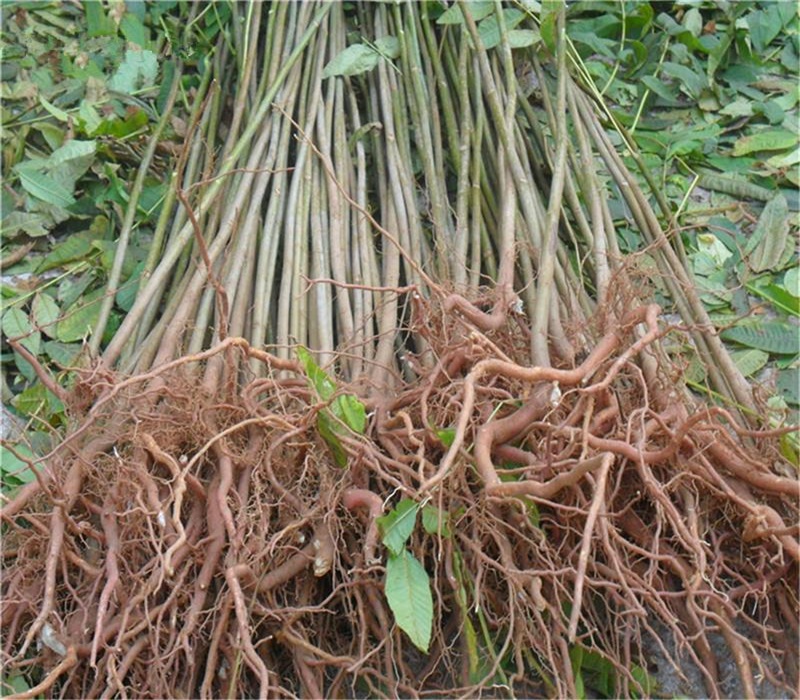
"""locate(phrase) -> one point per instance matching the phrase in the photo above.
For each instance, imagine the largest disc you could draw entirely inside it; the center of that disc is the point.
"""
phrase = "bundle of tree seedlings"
(392, 414)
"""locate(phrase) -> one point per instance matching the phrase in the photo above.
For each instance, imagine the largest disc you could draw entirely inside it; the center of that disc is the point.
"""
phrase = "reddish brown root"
(207, 544)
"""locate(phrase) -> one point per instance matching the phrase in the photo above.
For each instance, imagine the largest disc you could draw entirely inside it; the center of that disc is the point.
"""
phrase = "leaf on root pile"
(320, 381)
(435, 520)
(397, 525)
(408, 592)
(328, 427)
(351, 412)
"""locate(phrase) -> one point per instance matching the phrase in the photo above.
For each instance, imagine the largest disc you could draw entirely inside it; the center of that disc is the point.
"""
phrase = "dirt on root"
(182, 542)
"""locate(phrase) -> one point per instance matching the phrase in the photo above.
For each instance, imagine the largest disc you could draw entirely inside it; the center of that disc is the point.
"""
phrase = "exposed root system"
(187, 543)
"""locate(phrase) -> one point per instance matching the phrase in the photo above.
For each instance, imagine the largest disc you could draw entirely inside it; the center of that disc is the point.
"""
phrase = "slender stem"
(121, 251)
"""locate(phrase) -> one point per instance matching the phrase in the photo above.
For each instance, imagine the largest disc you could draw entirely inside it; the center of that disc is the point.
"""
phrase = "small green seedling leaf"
(345, 410)
(447, 436)
(435, 522)
(408, 592)
(328, 428)
(397, 525)
(351, 411)
(320, 381)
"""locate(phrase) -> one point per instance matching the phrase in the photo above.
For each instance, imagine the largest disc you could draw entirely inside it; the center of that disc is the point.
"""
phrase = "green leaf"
(78, 246)
(17, 326)
(59, 114)
(433, 519)
(388, 46)
(38, 401)
(351, 412)
(764, 26)
(134, 31)
(645, 680)
(740, 107)
(328, 427)
(521, 38)
(397, 525)
(44, 187)
(781, 299)
(138, 70)
(693, 21)
(45, 313)
(360, 58)
(478, 10)
(68, 163)
(13, 684)
(12, 466)
(97, 21)
(320, 381)
(576, 657)
(771, 140)
(135, 120)
(789, 385)
(665, 92)
(785, 160)
(63, 354)
(489, 29)
(126, 294)
(408, 592)
(766, 245)
(88, 118)
(749, 361)
(693, 82)
(447, 436)
(771, 336)
(31, 224)
(79, 322)
(791, 281)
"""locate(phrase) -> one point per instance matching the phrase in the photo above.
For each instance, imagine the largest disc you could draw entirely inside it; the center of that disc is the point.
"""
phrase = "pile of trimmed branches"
(442, 239)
